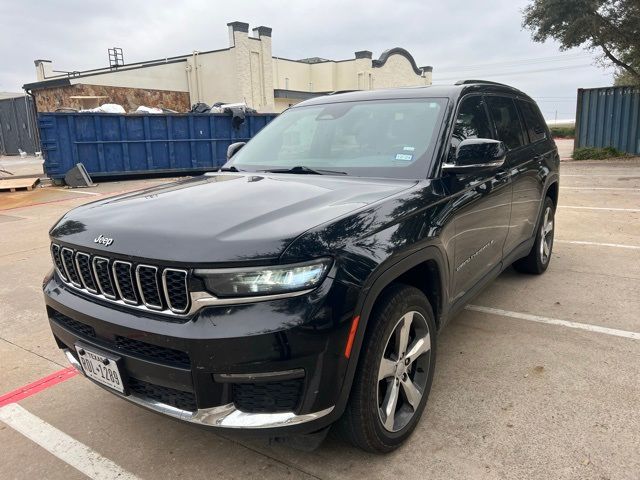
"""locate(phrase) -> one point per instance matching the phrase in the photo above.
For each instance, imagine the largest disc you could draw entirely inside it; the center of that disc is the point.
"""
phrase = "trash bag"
(105, 108)
(143, 109)
(111, 108)
(200, 108)
(238, 116)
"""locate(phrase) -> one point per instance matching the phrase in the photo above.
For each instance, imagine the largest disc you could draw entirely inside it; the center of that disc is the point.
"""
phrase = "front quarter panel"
(373, 247)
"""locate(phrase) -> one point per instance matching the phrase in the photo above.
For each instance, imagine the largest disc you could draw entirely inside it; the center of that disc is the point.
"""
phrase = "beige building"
(246, 71)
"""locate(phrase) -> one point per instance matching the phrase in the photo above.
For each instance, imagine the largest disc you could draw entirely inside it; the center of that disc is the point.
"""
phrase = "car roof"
(431, 91)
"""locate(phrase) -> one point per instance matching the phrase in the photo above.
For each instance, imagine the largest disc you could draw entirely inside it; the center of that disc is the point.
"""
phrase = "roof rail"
(335, 92)
(469, 82)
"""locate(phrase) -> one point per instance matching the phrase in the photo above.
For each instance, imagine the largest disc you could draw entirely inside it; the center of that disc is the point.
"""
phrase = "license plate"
(100, 367)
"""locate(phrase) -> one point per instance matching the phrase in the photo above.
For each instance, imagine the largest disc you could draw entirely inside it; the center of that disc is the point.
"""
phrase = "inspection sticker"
(402, 156)
(409, 149)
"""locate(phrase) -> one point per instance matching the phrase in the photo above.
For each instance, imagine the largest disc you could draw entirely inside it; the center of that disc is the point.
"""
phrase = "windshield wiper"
(301, 169)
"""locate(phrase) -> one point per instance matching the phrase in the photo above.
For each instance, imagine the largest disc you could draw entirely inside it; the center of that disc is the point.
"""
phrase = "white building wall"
(253, 68)
(247, 72)
(356, 74)
(291, 75)
(216, 78)
(169, 76)
(323, 76)
(397, 72)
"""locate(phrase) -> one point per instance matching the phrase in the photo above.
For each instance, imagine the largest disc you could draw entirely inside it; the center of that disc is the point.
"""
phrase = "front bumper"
(226, 416)
(226, 366)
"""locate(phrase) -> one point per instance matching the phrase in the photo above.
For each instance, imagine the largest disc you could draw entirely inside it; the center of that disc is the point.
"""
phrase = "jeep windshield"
(375, 138)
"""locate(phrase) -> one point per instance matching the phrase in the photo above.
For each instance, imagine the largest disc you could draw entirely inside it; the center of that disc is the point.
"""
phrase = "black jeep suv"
(306, 281)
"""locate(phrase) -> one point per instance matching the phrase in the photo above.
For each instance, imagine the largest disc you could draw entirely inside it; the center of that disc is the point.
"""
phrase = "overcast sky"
(460, 39)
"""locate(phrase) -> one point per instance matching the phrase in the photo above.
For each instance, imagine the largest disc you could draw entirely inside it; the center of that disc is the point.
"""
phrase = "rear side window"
(471, 122)
(505, 117)
(534, 123)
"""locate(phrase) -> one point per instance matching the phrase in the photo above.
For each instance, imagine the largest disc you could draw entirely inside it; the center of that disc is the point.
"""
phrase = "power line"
(555, 58)
(522, 72)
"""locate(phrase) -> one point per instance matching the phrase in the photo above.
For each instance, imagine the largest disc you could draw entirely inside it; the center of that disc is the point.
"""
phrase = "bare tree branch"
(618, 62)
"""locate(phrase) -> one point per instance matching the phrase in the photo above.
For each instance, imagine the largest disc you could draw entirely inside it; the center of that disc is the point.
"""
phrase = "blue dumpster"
(113, 145)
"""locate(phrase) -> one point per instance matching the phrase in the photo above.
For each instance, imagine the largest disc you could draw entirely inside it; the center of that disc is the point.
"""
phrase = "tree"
(613, 26)
(622, 78)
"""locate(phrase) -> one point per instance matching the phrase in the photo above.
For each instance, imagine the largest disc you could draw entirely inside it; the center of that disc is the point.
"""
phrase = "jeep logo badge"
(103, 240)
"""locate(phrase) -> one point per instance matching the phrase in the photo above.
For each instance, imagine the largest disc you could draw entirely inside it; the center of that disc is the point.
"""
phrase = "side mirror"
(233, 149)
(476, 154)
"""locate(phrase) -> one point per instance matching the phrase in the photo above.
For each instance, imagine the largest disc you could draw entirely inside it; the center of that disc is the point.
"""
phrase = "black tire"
(362, 423)
(536, 262)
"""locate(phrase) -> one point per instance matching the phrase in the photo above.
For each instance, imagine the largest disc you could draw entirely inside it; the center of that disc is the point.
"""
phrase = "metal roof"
(5, 95)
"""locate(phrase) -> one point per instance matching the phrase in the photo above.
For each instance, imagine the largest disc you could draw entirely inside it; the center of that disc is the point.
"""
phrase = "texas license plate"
(100, 367)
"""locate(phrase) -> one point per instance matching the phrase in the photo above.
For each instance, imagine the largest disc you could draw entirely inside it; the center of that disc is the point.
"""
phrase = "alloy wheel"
(404, 371)
(546, 240)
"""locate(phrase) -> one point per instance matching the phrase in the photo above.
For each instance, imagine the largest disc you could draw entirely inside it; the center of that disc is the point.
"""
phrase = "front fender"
(375, 284)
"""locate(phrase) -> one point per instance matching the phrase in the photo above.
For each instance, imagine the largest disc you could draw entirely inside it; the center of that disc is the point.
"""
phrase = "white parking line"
(67, 449)
(594, 175)
(67, 190)
(625, 189)
(555, 321)
(598, 244)
(601, 208)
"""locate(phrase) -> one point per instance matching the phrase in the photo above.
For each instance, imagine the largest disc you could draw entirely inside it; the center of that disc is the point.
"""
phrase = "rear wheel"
(395, 372)
(538, 259)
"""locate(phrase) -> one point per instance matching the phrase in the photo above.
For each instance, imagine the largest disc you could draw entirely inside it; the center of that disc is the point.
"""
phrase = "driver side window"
(471, 122)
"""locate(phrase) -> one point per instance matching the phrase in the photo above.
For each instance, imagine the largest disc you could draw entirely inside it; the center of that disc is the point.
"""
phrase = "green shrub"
(593, 153)
(563, 132)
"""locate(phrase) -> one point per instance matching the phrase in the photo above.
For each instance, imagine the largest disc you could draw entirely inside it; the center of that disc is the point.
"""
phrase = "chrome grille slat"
(146, 287)
(147, 279)
(83, 264)
(57, 261)
(123, 278)
(70, 267)
(178, 301)
(103, 277)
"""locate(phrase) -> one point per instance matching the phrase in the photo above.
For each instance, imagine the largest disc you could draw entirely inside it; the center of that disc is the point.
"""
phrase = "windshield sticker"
(409, 149)
(403, 157)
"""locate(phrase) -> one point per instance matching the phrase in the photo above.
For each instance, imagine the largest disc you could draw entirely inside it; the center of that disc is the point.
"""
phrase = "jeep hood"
(219, 218)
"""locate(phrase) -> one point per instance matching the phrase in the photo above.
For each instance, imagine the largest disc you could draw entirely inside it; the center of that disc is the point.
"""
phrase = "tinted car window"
(505, 117)
(472, 121)
(533, 121)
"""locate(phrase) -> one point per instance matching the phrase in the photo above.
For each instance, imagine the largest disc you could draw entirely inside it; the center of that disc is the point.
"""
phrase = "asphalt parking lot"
(538, 379)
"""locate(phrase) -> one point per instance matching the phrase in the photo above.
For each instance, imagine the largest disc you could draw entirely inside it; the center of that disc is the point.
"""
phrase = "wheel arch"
(425, 270)
(552, 191)
(409, 270)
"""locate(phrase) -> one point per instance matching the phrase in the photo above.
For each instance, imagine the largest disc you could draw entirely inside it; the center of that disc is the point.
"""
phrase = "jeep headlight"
(242, 282)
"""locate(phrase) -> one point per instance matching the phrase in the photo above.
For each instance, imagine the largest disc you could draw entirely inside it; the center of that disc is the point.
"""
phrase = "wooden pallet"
(13, 184)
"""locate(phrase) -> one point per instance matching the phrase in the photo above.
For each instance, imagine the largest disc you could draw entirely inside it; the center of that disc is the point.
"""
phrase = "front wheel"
(538, 259)
(395, 371)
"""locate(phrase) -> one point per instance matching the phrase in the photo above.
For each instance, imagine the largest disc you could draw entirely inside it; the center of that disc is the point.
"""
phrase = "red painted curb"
(38, 386)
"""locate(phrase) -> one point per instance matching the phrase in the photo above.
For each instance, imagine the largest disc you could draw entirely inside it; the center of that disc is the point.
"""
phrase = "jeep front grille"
(147, 277)
(145, 286)
(125, 283)
(57, 261)
(70, 266)
(103, 277)
(83, 262)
